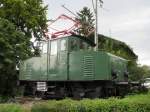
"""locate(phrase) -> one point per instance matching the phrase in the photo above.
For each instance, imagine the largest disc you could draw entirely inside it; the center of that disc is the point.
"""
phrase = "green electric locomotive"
(69, 67)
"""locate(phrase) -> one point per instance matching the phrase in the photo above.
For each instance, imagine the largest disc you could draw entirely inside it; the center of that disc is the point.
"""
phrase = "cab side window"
(82, 45)
(63, 45)
(44, 49)
(73, 45)
(53, 47)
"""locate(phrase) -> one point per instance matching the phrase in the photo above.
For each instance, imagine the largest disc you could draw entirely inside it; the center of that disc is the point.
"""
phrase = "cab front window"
(79, 44)
(54, 47)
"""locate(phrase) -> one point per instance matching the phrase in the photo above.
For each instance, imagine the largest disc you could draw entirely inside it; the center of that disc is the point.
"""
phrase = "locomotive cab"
(59, 52)
(70, 43)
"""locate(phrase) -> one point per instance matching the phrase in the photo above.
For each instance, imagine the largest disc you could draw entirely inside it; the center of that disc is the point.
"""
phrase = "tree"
(146, 70)
(116, 47)
(139, 72)
(20, 20)
(13, 46)
(29, 16)
(85, 17)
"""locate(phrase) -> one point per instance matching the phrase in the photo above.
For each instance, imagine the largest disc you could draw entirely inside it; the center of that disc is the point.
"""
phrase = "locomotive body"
(70, 68)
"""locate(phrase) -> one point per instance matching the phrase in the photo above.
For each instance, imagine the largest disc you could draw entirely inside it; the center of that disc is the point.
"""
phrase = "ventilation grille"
(88, 66)
(28, 71)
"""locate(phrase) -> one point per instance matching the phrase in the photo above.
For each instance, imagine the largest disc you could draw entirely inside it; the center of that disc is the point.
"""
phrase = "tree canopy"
(86, 19)
(29, 16)
(13, 47)
(20, 20)
(116, 47)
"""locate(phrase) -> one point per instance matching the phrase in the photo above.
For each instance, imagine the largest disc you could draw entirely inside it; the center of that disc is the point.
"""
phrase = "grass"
(10, 108)
(133, 103)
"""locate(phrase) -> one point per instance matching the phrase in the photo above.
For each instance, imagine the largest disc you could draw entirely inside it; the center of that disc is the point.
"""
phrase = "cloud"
(125, 20)
(130, 25)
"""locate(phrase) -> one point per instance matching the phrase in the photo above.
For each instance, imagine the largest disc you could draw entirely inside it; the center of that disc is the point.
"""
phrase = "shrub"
(137, 103)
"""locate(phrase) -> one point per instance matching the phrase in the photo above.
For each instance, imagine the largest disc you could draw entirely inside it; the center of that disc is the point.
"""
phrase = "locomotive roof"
(85, 39)
(112, 55)
(78, 36)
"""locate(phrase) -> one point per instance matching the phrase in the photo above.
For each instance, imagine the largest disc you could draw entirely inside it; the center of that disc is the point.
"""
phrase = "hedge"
(137, 103)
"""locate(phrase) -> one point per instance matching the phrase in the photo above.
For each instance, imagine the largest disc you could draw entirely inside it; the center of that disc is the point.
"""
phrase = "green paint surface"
(72, 63)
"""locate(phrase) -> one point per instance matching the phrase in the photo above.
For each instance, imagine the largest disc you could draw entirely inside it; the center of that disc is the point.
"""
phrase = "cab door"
(63, 59)
(52, 61)
(57, 60)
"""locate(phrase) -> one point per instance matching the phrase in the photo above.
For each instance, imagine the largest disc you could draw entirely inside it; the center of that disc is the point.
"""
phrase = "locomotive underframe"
(77, 89)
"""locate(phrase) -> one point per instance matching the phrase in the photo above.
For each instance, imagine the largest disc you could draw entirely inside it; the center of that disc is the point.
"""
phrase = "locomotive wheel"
(40, 94)
(62, 92)
(29, 90)
(78, 93)
(96, 93)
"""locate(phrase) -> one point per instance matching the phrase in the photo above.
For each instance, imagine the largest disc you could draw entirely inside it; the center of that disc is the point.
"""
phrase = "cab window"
(44, 49)
(83, 45)
(79, 44)
(63, 45)
(73, 44)
(42, 45)
(53, 47)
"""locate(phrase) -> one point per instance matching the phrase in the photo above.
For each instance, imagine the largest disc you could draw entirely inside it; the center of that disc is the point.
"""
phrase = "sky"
(124, 20)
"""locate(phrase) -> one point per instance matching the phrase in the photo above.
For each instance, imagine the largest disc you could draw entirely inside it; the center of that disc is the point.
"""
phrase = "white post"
(96, 26)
